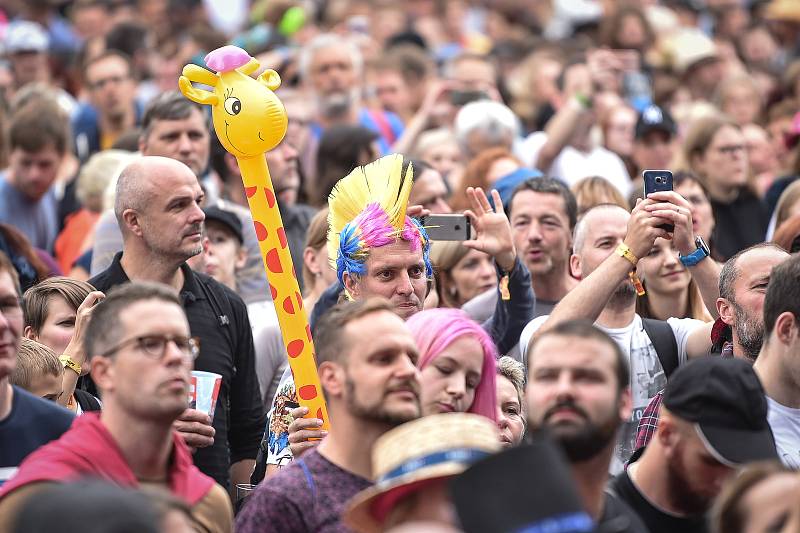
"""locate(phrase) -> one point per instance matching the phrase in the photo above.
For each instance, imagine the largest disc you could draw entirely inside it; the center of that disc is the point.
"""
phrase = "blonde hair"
(96, 174)
(513, 371)
(316, 239)
(34, 359)
(431, 139)
(444, 256)
(593, 191)
(788, 199)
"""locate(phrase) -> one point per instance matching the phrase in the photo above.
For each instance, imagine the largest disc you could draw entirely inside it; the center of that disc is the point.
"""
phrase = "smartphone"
(447, 227)
(657, 181)
(461, 98)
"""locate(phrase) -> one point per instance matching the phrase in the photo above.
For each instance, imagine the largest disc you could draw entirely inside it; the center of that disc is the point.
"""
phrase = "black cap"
(227, 218)
(654, 118)
(727, 404)
(526, 488)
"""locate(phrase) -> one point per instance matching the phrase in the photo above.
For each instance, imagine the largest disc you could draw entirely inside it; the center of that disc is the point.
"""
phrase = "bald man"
(608, 243)
(158, 211)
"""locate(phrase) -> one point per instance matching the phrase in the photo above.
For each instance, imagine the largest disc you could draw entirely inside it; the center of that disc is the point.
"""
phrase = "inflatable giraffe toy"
(250, 120)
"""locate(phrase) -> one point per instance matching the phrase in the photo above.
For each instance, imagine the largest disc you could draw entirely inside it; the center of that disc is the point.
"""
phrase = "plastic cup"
(204, 391)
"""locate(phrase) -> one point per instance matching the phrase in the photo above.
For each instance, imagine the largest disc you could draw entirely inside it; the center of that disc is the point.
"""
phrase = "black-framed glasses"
(155, 346)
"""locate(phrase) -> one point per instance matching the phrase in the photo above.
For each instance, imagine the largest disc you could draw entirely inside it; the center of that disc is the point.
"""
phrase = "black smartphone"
(461, 98)
(657, 181)
(447, 227)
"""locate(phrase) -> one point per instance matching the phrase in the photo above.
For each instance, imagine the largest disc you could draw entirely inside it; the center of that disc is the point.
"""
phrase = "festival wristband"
(624, 251)
(67, 361)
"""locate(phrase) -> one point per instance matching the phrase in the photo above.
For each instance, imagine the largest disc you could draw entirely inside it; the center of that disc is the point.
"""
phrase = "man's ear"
(785, 328)
(351, 284)
(726, 311)
(575, 267)
(131, 220)
(331, 377)
(625, 404)
(102, 372)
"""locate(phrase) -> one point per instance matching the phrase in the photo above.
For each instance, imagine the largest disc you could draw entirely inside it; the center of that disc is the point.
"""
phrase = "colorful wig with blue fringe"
(367, 209)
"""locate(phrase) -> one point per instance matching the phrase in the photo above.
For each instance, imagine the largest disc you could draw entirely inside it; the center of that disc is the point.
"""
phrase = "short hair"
(450, 66)
(596, 190)
(34, 359)
(783, 292)
(413, 64)
(328, 40)
(130, 191)
(105, 327)
(579, 235)
(102, 56)
(329, 339)
(583, 329)
(7, 266)
(730, 272)
(493, 119)
(37, 125)
(545, 185)
(95, 176)
(171, 105)
(513, 371)
(36, 300)
(127, 37)
(727, 513)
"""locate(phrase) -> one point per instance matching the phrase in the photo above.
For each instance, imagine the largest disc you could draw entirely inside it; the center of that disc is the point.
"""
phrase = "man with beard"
(742, 286)
(713, 421)
(157, 206)
(578, 389)
(331, 67)
(777, 365)
(608, 242)
(371, 385)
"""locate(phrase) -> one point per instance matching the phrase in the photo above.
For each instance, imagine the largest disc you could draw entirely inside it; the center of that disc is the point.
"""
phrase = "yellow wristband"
(69, 363)
(625, 252)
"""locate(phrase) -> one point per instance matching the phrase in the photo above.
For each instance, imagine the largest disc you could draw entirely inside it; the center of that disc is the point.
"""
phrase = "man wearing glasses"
(158, 211)
(142, 357)
(26, 422)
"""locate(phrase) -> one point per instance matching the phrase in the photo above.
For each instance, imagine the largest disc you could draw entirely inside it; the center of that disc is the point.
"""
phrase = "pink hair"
(436, 329)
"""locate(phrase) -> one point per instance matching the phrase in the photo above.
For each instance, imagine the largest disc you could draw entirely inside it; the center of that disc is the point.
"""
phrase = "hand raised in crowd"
(75, 347)
(674, 207)
(492, 229)
(195, 428)
(643, 228)
(302, 430)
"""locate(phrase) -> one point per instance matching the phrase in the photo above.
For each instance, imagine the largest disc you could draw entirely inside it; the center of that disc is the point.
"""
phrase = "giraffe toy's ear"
(270, 78)
(200, 75)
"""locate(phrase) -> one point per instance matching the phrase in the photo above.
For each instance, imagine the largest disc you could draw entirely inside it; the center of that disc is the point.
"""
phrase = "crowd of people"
(593, 357)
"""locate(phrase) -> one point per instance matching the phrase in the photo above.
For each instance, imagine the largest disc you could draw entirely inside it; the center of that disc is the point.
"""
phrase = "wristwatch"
(698, 255)
(69, 363)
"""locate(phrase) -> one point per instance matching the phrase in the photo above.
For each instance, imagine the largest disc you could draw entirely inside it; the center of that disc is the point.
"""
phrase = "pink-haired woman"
(457, 363)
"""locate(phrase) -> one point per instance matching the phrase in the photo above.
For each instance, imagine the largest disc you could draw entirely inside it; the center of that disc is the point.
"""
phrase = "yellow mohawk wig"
(367, 209)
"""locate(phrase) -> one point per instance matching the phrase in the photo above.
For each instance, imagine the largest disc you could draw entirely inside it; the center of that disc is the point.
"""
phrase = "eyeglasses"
(155, 346)
(731, 149)
(11, 306)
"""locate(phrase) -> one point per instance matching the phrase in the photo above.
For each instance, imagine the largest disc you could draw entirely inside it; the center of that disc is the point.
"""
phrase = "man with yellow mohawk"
(374, 246)
(378, 250)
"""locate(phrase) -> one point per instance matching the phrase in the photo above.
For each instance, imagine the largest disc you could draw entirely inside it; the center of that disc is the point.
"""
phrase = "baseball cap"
(227, 218)
(654, 118)
(26, 36)
(725, 401)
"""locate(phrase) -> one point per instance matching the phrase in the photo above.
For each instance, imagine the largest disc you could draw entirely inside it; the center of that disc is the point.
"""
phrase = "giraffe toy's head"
(248, 117)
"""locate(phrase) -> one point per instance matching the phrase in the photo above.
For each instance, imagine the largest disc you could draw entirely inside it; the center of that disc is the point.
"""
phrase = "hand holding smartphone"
(657, 181)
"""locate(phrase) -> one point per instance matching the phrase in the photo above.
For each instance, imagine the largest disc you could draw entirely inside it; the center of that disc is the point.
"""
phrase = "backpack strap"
(383, 125)
(663, 339)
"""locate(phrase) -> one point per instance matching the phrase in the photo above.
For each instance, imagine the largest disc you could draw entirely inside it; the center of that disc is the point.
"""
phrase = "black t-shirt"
(656, 520)
(32, 422)
(218, 316)
(618, 517)
(739, 224)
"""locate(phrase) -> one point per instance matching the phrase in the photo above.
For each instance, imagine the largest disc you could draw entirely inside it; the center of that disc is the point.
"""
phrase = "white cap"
(25, 36)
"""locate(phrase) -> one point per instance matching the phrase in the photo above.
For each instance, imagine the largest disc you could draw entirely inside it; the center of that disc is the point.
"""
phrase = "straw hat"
(413, 455)
(688, 47)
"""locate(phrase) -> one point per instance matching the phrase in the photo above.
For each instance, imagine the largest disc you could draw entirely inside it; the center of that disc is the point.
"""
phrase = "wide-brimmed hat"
(689, 47)
(416, 454)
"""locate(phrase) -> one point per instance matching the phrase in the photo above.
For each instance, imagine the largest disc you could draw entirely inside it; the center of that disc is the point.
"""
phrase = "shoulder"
(220, 290)
(620, 516)
(681, 326)
(42, 411)
(214, 511)
(280, 500)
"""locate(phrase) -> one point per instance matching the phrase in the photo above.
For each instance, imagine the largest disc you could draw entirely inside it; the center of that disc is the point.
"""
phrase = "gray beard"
(623, 296)
(749, 332)
(337, 104)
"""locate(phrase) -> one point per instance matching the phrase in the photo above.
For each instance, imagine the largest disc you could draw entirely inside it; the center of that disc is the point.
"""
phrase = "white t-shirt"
(785, 424)
(647, 374)
(572, 165)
